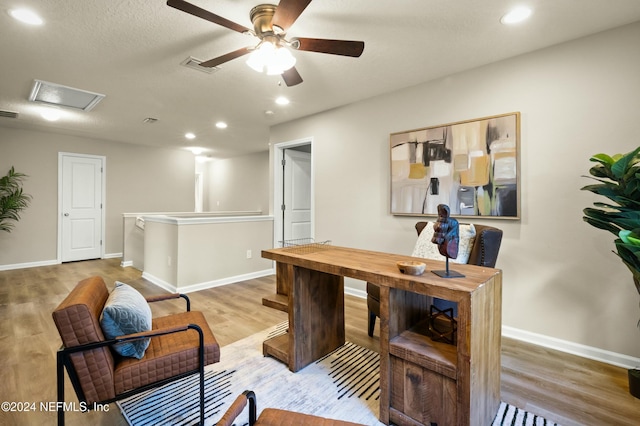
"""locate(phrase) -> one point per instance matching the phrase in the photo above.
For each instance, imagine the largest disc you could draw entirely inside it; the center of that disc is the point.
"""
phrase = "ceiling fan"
(270, 24)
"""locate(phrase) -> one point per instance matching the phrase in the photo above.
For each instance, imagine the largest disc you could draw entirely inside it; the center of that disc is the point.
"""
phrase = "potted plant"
(619, 180)
(12, 199)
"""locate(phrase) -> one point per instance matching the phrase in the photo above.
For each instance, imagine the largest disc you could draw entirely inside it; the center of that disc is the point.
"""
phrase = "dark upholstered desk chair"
(484, 252)
(180, 345)
(273, 416)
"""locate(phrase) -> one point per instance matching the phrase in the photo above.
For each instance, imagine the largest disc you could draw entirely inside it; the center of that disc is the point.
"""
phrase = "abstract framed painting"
(472, 166)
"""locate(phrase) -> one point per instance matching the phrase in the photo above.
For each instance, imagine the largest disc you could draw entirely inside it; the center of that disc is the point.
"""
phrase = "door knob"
(66, 214)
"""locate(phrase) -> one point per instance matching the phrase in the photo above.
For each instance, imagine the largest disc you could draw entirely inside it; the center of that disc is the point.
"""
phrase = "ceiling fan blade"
(287, 12)
(225, 58)
(291, 77)
(206, 15)
(332, 47)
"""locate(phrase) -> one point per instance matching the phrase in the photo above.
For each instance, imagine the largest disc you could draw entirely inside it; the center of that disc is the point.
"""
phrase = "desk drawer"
(421, 394)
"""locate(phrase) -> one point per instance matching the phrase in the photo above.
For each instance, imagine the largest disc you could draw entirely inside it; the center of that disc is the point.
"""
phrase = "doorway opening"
(293, 209)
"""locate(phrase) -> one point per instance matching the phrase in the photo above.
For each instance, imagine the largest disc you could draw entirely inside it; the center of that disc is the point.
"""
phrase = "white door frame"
(103, 160)
(278, 195)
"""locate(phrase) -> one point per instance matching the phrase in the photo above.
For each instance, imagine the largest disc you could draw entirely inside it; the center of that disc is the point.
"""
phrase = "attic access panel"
(58, 95)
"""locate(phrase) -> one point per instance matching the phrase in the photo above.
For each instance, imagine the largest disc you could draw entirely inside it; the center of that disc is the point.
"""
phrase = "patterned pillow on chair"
(126, 311)
(426, 249)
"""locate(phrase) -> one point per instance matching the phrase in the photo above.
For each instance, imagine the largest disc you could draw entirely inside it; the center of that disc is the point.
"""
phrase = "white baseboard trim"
(29, 265)
(208, 284)
(584, 351)
(126, 264)
(362, 294)
(160, 283)
(46, 263)
(602, 355)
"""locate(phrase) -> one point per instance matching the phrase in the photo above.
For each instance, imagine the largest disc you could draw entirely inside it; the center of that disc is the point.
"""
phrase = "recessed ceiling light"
(517, 15)
(281, 100)
(27, 16)
(50, 114)
(221, 125)
(189, 135)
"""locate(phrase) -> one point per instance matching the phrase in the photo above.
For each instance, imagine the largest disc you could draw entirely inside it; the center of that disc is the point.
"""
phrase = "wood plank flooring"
(564, 388)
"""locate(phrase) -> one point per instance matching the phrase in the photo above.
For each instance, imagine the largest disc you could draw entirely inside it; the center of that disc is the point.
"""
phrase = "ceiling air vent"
(194, 63)
(59, 95)
(8, 114)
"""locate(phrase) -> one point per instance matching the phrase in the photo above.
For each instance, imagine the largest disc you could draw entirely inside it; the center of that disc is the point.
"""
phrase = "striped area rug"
(342, 385)
(509, 415)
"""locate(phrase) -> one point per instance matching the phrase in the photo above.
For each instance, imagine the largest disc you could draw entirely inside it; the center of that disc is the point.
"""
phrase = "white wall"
(239, 183)
(139, 178)
(576, 99)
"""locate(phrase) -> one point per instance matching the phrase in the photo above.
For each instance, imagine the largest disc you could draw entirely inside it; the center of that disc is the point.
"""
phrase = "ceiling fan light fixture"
(274, 60)
(256, 61)
(284, 60)
(270, 25)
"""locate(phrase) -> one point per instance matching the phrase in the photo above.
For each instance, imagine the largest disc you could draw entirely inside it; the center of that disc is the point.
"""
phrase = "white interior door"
(297, 195)
(81, 215)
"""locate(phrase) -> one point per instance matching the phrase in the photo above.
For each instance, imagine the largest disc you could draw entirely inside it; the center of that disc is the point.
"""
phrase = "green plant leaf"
(630, 253)
(602, 158)
(630, 218)
(634, 241)
(12, 199)
(602, 224)
(601, 172)
(632, 187)
(622, 164)
(618, 179)
(606, 190)
(623, 234)
(606, 206)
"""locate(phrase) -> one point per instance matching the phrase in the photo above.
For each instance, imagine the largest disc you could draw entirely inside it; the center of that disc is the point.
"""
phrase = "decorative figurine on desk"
(447, 236)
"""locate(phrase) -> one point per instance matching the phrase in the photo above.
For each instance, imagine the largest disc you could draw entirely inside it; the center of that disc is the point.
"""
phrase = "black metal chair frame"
(63, 361)
(253, 409)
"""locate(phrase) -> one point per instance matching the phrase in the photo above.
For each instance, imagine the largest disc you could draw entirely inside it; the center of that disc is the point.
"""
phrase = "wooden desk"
(421, 381)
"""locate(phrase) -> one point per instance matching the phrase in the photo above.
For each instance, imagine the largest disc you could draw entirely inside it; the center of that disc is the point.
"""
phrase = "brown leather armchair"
(274, 416)
(180, 345)
(483, 253)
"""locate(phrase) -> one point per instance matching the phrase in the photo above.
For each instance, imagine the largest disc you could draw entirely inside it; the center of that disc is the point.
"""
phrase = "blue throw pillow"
(125, 312)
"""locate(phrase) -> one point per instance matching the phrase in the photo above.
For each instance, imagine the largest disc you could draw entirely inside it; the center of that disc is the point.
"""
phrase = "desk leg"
(283, 278)
(385, 362)
(316, 316)
(280, 300)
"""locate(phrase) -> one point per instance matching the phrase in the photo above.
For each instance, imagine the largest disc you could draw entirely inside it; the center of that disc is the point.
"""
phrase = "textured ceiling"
(131, 50)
